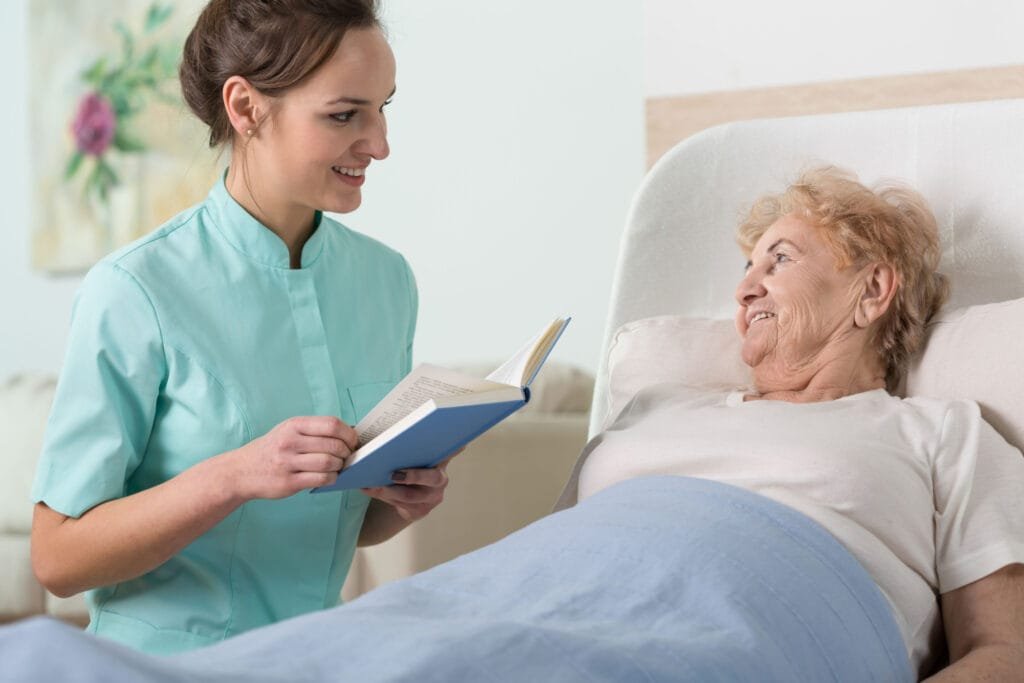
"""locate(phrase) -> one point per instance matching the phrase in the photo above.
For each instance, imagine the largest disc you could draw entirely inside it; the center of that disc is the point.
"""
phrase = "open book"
(434, 411)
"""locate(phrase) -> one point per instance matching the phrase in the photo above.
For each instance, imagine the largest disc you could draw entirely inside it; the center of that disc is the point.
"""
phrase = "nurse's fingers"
(432, 477)
(326, 425)
(407, 495)
(322, 444)
(308, 480)
(316, 462)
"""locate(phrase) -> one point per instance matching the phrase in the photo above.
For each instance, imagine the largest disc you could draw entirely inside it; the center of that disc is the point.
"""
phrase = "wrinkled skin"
(815, 342)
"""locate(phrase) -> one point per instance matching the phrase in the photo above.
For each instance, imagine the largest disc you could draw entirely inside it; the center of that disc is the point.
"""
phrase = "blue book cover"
(431, 439)
(434, 412)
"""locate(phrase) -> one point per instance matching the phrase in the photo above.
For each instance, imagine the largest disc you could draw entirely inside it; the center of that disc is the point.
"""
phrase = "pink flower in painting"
(94, 124)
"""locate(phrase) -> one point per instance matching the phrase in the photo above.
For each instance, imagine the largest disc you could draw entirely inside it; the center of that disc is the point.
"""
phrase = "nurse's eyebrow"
(359, 101)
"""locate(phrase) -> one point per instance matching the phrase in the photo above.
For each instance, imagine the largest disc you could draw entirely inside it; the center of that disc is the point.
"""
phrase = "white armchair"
(24, 405)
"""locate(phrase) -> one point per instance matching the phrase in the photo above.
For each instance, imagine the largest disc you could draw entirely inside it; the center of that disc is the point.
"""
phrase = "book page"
(521, 368)
(424, 383)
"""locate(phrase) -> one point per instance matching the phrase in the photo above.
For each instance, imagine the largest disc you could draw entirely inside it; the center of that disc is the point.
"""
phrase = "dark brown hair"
(273, 44)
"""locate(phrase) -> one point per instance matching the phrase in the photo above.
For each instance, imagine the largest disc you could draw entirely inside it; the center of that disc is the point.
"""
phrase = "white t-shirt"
(923, 492)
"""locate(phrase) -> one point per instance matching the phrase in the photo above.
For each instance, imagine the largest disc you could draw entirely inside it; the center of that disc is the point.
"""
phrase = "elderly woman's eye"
(780, 257)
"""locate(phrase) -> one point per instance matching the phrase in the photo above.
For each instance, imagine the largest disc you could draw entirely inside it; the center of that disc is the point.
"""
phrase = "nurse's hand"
(416, 492)
(298, 454)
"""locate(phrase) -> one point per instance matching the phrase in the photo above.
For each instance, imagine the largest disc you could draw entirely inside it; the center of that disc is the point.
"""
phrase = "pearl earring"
(249, 131)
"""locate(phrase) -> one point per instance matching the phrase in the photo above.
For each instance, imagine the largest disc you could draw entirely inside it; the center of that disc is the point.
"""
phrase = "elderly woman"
(839, 284)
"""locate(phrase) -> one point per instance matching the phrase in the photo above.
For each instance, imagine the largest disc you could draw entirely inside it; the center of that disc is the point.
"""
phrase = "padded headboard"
(678, 253)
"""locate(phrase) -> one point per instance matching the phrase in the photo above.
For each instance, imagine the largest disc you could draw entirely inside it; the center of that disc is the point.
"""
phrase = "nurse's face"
(322, 135)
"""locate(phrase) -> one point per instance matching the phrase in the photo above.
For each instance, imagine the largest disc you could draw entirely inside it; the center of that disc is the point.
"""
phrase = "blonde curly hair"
(890, 224)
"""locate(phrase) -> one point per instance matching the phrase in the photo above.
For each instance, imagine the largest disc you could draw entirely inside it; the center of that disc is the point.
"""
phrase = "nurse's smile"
(350, 176)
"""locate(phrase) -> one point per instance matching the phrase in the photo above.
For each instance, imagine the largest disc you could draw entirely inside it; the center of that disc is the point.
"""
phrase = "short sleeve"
(979, 510)
(414, 302)
(106, 396)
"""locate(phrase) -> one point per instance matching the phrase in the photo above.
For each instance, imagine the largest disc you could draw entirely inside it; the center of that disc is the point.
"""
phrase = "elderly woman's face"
(793, 301)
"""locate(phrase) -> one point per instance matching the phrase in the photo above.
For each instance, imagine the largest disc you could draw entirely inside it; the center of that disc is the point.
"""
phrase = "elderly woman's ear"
(880, 282)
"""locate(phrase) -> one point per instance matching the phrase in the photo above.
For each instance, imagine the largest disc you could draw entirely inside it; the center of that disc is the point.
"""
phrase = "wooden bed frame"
(671, 119)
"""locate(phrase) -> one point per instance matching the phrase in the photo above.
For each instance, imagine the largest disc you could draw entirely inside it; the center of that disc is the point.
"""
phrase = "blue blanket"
(656, 579)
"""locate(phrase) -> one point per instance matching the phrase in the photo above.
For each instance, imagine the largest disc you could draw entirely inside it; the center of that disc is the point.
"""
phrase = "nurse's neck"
(293, 224)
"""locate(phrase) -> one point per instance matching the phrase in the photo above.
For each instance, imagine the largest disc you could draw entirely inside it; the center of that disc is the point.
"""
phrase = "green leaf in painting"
(106, 177)
(73, 164)
(127, 42)
(157, 15)
(120, 100)
(149, 59)
(92, 181)
(94, 74)
(108, 171)
(111, 79)
(124, 142)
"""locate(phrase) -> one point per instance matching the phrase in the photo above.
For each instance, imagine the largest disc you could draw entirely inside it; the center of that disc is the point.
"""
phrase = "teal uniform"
(194, 341)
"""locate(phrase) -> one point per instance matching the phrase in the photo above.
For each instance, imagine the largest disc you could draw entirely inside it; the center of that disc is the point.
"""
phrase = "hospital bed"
(601, 592)
(679, 261)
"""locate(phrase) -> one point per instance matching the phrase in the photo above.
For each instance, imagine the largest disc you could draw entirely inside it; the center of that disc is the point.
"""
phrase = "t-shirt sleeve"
(106, 396)
(979, 510)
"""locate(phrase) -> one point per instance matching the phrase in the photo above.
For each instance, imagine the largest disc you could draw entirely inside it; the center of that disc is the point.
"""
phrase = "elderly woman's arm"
(984, 624)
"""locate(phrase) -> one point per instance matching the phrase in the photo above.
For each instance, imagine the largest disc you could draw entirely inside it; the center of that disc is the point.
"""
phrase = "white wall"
(701, 45)
(517, 142)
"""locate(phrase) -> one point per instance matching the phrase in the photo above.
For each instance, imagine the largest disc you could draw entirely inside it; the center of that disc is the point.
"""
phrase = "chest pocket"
(365, 396)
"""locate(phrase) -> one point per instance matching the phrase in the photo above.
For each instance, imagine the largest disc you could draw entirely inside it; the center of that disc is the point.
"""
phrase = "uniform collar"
(251, 237)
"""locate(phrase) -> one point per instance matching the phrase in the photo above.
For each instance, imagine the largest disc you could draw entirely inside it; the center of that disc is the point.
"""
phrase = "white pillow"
(669, 348)
(970, 353)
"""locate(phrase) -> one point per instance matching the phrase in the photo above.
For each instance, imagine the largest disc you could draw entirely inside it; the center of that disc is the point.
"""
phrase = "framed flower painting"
(115, 150)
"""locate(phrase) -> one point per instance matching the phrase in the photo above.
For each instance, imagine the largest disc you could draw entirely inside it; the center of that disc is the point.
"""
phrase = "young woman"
(214, 366)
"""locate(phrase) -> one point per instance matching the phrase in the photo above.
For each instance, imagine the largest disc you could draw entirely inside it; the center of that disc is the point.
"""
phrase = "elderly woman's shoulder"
(944, 412)
(941, 404)
(961, 427)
